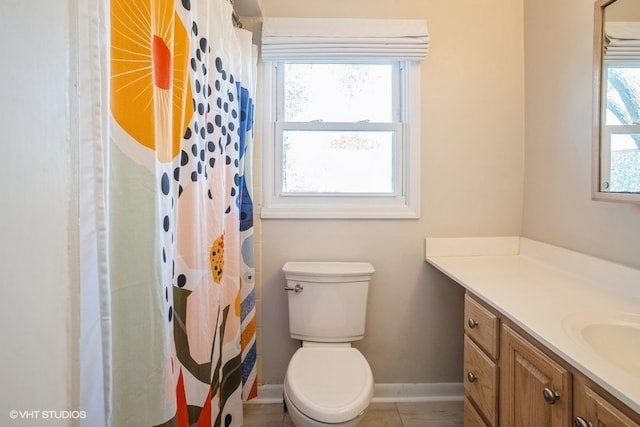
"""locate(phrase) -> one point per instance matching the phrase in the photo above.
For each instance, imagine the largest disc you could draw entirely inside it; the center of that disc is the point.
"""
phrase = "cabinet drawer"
(471, 416)
(481, 325)
(481, 380)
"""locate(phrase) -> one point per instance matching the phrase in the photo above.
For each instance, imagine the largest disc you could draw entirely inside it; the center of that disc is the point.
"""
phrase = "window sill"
(339, 212)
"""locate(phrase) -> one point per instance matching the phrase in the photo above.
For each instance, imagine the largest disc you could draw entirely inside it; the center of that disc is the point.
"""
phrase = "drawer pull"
(472, 377)
(580, 422)
(550, 396)
(472, 323)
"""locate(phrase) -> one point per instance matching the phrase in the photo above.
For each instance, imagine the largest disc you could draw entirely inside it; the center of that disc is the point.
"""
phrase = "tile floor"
(400, 414)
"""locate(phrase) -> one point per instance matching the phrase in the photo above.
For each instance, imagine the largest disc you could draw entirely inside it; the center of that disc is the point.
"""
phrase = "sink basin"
(614, 337)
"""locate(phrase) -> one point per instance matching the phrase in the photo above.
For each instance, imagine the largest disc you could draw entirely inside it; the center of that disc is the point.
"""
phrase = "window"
(341, 125)
(620, 151)
(337, 128)
(619, 140)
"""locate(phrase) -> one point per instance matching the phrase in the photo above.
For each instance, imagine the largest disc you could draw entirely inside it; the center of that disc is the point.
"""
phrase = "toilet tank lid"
(327, 269)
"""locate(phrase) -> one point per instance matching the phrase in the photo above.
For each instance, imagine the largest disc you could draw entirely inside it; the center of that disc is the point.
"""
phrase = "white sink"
(614, 337)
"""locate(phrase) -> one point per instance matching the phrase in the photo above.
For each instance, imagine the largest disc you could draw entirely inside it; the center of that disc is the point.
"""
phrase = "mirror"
(616, 113)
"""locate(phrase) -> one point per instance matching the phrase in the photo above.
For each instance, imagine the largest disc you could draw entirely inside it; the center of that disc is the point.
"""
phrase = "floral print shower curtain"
(180, 213)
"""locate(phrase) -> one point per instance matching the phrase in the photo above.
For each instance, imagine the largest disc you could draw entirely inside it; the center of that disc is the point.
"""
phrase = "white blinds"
(342, 38)
(622, 40)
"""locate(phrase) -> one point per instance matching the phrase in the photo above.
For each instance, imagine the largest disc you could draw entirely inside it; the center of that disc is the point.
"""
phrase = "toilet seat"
(329, 384)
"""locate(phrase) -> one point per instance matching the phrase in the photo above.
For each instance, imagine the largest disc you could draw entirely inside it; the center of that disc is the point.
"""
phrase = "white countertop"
(549, 292)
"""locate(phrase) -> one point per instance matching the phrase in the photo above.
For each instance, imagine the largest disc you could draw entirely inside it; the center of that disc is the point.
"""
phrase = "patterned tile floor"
(401, 414)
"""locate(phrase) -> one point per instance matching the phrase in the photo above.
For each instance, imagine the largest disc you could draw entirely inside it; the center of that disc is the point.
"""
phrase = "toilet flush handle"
(298, 288)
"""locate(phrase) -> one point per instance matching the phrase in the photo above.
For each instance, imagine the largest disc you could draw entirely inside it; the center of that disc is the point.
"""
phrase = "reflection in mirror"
(618, 110)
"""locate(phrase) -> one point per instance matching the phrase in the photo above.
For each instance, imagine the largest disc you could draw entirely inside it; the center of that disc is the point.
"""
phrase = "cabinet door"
(601, 413)
(535, 390)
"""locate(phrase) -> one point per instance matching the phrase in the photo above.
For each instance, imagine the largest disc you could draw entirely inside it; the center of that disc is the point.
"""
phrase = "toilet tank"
(331, 303)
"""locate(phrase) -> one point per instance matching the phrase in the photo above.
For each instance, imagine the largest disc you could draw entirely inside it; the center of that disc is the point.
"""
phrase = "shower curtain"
(177, 274)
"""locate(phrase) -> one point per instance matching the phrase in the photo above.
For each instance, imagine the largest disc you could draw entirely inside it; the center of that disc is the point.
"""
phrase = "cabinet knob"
(472, 323)
(472, 377)
(550, 396)
(580, 422)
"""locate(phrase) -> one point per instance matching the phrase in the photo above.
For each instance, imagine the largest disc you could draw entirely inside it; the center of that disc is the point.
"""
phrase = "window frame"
(609, 130)
(403, 202)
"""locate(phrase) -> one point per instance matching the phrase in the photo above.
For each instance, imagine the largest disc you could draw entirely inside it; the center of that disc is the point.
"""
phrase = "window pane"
(623, 96)
(337, 162)
(625, 163)
(338, 92)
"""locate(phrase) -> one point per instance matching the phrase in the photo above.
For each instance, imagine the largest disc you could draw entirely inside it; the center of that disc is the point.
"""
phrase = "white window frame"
(404, 202)
(607, 131)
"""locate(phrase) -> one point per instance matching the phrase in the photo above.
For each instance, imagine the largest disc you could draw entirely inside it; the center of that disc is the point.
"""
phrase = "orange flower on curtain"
(150, 90)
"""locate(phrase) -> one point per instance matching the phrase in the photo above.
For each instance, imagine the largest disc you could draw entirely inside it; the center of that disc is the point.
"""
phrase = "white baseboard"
(424, 392)
(269, 393)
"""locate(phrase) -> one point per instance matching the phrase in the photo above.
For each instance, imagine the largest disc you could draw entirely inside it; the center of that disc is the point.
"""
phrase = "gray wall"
(557, 201)
(472, 146)
(414, 314)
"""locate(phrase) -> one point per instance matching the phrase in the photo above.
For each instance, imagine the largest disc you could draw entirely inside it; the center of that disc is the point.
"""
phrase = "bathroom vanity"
(551, 336)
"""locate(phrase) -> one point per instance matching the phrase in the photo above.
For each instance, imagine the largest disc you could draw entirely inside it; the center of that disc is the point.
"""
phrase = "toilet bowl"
(328, 385)
(328, 382)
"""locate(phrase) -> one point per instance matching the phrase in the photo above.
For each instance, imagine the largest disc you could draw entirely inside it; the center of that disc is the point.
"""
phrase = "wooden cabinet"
(482, 326)
(601, 413)
(481, 380)
(593, 409)
(536, 391)
(471, 417)
(480, 367)
(510, 380)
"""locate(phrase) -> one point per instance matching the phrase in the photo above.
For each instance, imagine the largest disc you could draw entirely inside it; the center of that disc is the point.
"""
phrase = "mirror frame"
(596, 193)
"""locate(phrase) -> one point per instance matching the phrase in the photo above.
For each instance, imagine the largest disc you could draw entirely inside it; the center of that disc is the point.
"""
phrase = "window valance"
(622, 41)
(341, 38)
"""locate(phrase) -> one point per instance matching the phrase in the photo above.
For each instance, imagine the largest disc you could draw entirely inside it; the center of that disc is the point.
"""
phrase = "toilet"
(328, 382)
